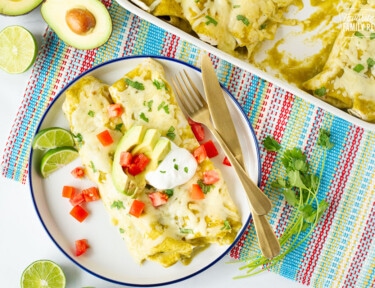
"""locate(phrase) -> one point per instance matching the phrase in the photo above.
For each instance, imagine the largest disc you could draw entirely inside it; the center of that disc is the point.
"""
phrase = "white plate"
(291, 49)
(108, 257)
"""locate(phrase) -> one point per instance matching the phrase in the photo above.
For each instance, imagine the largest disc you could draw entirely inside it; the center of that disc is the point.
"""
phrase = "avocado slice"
(131, 138)
(148, 143)
(83, 24)
(20, 7)
(161, 149)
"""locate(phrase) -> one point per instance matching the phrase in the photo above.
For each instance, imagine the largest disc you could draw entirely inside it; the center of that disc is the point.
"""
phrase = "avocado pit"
(80, 21)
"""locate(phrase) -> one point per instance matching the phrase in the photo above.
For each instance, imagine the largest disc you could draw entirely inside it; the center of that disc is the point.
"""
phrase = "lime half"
(53, 137)
(18, 49)
(56, 158)
(43, 274)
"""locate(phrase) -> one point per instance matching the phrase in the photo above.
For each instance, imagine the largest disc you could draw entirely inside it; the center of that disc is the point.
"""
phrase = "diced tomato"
(158, 198)
(77, 198)
(91, 194)
(139, 164)
(226, 161)
(200, 154)
(79, 213)
(68, 191)
(210, 177)
(198, 131)
(126, 158)
(81, 246)
(210, 149)
(137, 208)
(78, 172)
(196, 192)
(105, 138)
(115, 110)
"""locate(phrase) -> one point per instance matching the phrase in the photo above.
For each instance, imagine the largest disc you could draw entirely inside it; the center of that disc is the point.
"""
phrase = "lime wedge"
(56, 158)
(18, 49)
(52, 137)
(43, 274)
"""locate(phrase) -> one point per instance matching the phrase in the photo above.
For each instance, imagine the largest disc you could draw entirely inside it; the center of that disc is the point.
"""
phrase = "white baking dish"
(244, 65)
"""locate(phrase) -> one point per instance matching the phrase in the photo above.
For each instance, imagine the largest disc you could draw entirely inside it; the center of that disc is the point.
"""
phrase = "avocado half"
(83, 24)
(19, 7)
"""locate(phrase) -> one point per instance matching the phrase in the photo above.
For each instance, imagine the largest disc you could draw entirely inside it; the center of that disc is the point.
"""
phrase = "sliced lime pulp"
(56, 158)
(43, 274)
(18, 49)
(52, 137)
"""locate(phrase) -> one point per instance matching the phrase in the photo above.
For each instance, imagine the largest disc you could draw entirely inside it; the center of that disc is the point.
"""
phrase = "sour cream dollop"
(177, 168)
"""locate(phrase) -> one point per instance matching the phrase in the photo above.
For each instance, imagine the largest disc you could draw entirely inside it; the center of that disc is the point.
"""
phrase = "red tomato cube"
(79, 213)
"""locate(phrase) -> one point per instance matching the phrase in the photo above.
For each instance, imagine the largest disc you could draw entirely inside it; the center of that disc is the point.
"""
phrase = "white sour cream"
(177, 168)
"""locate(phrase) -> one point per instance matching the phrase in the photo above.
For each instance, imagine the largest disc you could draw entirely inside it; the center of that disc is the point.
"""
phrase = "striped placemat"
(341, 251)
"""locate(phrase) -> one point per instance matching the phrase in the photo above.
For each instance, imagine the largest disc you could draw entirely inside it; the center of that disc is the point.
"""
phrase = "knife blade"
(222, 120)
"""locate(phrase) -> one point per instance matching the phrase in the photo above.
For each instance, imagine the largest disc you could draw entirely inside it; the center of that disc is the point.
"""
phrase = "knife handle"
(259, 201)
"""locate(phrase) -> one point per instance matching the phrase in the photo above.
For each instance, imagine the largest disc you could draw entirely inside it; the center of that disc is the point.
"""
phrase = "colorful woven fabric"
(341, 250)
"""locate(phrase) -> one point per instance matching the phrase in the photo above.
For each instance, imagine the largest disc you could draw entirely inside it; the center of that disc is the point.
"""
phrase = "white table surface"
(24, 240)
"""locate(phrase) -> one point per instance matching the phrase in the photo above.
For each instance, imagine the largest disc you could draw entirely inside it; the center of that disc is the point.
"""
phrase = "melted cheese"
(348, 76)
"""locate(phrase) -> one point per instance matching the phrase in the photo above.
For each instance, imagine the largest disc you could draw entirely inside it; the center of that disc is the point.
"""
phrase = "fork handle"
(259, 201)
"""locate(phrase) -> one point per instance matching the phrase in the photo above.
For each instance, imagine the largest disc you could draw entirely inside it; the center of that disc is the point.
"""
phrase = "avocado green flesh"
(54, 13)
(20, 7)
(139, 139)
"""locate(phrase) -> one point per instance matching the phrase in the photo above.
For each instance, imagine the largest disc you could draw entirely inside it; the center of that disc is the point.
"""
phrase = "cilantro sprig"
(300, 188)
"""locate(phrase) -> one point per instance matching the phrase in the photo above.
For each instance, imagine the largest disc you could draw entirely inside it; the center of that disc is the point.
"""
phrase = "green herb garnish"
(159, 85)
(205, 188)
(210, 20)
(370, 62)
(143, 117)
(118, 204)
(243, 19)
(226, 226)
(358, 68)
(271, 144)
(148, 104)
(358, 34)
(91, 113)
(186, 231)
(300, 188)
(171, 133)
(135, 84)
(320, 92)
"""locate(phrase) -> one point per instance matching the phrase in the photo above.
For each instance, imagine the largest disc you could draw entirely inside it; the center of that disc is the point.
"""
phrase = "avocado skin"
(54, 14)
(12, 8)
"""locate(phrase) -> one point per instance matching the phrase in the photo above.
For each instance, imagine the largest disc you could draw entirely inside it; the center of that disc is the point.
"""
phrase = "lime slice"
(52, 137)
(43, 274)
(56, 158)
(18, 49)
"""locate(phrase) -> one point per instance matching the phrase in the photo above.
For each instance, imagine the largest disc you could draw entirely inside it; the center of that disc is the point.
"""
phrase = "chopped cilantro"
(171, 133)
(271, 144)
(210, 20)
(358, 68)
(148, 104)
(122, 230)
(226, 225)
(135, 84)
(205, 188)
(119, 126)
(169, 192)
(243, 19)
(143, 117)
(92, 166)
(320, 92)
(186, 169)
(118, 204)
(91, 113)
(175, 167)
(358, 34)
(159, 84)
(370, 62)
(372, 36)
(186, 231)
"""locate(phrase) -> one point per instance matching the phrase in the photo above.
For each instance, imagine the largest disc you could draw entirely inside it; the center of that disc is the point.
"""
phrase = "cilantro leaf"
(271, 144)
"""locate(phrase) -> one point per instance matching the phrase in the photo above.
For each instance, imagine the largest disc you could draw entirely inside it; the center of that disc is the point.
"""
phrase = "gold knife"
(223, 123)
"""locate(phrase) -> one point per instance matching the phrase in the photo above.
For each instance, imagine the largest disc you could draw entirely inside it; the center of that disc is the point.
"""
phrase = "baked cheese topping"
(165, 233)
(348, 80)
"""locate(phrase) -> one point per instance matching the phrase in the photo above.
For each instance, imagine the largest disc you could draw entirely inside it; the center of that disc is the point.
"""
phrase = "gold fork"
(195, 106)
